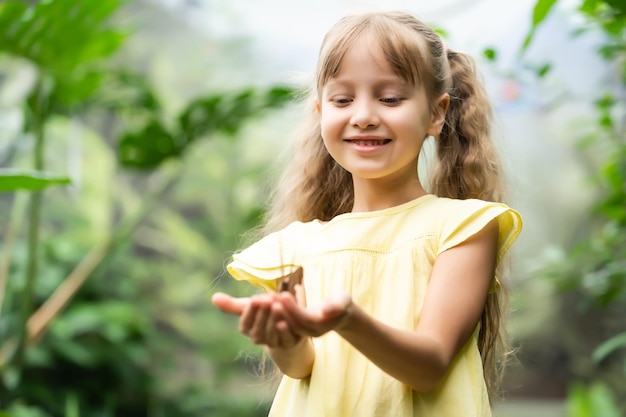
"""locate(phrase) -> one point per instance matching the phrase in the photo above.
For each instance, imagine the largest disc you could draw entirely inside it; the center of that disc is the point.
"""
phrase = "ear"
(318, 108)
(438, 116)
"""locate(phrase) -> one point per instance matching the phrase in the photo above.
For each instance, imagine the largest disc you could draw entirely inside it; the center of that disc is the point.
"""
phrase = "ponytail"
(467, 166)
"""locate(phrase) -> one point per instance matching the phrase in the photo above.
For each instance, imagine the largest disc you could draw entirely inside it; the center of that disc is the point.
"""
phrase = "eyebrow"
(382, 83)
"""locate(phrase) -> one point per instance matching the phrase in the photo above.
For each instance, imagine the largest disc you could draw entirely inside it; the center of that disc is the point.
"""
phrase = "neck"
(371, 195)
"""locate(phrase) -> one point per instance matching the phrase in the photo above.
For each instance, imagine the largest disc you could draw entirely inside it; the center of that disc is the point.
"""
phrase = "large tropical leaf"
(65, 39)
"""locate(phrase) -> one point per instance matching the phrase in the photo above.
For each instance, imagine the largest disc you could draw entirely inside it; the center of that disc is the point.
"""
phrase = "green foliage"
(610, 346)
(67, 76)
(491, 54)
(11, 180)
(595, 400)
(595, 267)
(155, 143)
(138, 337)
(603, 252)
(543, 70)
(540, 12)
(66, 40)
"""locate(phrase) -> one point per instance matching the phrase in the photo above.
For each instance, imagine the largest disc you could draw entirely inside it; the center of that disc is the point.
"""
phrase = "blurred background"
(137, 142)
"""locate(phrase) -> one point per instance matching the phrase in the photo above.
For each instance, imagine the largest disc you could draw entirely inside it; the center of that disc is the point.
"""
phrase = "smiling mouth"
(369, 142)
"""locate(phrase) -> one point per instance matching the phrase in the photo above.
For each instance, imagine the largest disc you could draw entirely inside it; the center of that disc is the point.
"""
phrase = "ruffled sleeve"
(265, 261)
(468, 217)
(465, 218)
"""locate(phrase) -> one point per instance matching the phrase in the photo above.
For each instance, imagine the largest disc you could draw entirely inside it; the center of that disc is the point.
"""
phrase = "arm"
(454, 303)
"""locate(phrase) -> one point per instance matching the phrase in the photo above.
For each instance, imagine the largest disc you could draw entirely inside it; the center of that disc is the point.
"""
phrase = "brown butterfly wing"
(289, 281)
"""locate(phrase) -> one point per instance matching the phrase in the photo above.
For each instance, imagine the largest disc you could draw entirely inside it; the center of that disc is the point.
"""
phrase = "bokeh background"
(137, 142)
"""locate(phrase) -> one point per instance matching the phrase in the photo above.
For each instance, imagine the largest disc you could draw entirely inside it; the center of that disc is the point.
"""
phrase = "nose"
(364, 114)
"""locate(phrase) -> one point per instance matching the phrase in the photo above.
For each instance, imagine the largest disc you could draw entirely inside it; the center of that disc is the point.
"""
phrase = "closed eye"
(342, 101)
(391, 100)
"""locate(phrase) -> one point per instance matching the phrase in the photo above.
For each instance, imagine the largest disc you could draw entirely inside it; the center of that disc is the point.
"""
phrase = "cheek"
(412, 125)
(330, 124)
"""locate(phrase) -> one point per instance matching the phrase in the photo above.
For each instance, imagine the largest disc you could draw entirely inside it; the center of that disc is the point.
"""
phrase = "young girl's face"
(372, 121)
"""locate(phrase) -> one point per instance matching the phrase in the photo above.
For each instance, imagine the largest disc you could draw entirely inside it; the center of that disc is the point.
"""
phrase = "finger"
(300, 295)
(338, 309)
(257, 332)
(286, 337)
(336, 305)
(317, 320)
(271, 330)
(301, 321)
(248, 316)
(228, 304)
(246, 321)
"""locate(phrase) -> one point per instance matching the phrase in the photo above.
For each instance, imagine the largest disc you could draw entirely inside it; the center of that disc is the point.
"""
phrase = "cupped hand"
(261, 319)
(314, 321)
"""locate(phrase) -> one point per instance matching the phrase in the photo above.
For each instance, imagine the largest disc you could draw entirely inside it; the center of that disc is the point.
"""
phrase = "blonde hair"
(314, 186)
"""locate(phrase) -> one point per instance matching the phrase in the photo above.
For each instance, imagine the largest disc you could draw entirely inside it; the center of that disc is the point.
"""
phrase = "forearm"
(295, 362)
(414, 359)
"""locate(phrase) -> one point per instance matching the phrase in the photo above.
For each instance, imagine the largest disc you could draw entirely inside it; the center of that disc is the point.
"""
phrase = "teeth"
(369, 142)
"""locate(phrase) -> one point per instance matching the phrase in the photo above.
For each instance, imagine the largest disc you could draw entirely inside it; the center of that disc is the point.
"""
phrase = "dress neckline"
(382, 212)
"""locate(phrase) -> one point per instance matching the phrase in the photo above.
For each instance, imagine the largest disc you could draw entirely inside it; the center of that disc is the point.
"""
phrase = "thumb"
(339, 307)
(228, 304)
(337, 304)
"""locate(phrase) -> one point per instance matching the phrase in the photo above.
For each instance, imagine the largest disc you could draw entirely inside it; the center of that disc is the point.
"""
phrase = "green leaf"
(227, 113)
(528, 40)
(135, 90)
(610, 51)
(578, 402)
(22, 410)
(543, 70)
(540, 12)
(12, 180)
(66, 40)
(115, 321)
(606, 101)
(491, 54)
(618, 5)
(588, 6)
(199, 118)
(605, 349)
(148, 147)
(278, 96)
(592, 401)
(440, 31)
(43, 32)
(602, 401)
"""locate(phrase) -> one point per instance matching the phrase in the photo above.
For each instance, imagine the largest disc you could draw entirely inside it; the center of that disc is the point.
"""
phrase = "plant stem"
(34, 217)
(15, 219)
(41, 319)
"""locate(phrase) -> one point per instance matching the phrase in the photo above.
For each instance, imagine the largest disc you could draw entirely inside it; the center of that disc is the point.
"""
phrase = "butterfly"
(289, 281)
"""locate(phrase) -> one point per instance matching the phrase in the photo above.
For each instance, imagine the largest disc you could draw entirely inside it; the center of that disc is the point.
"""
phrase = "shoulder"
(458, 220)
(444, 211)
(454, 206)
(298, 230)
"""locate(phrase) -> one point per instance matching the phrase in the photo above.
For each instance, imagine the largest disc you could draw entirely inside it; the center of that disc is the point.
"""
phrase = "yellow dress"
(384, 260)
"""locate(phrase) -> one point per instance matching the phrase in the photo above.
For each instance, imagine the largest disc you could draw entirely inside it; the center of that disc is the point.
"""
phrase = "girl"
(399, 312)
